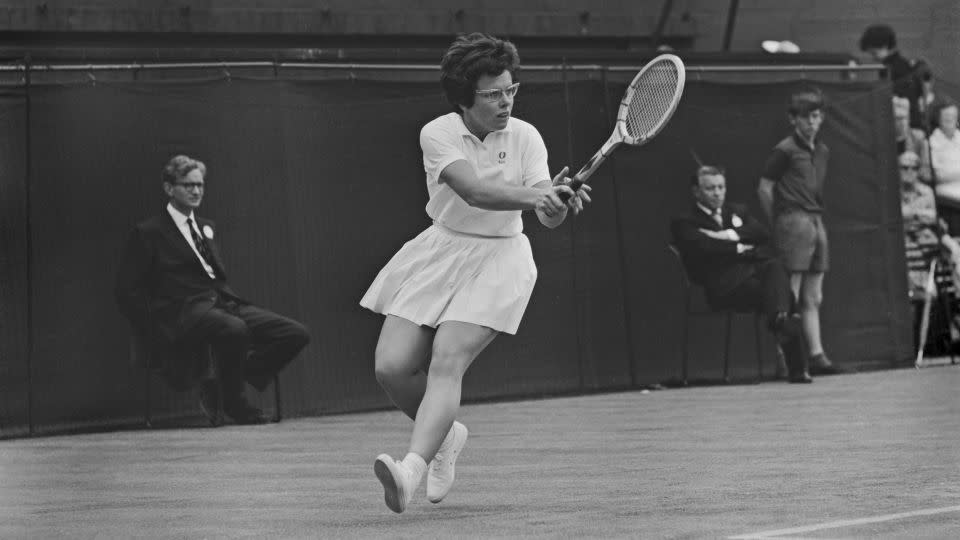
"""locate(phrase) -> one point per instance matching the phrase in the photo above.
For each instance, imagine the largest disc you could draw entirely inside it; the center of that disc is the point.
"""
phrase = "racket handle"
(575, 185)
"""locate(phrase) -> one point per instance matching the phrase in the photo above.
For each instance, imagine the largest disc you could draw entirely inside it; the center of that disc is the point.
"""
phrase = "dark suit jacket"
(715, 264)
(162, 286)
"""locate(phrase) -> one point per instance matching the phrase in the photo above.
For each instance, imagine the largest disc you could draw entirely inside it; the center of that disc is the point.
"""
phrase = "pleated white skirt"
(443, 275)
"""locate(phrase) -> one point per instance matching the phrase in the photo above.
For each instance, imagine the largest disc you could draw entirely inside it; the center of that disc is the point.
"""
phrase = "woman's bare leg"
(402, 357)
(455, 346)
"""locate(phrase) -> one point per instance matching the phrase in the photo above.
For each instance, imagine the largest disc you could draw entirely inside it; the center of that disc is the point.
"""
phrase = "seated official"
(172, 286)
(728, 253)
(921, 226)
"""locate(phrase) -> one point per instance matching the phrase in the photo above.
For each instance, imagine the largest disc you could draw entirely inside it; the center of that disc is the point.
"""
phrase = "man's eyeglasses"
(496, 94)
(909, 168)
(190, 185)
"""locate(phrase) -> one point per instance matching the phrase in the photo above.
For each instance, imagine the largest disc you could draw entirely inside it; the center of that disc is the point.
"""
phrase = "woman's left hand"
(580, 197)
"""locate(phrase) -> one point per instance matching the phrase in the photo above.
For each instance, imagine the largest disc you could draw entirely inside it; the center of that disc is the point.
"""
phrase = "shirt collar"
(892, 58)
(802, 143)
(178, 217)
(708, 211)
(465, 132)
(941, 136)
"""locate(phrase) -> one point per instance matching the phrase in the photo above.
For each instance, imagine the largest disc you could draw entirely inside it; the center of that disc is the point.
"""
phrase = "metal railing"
(135, 66)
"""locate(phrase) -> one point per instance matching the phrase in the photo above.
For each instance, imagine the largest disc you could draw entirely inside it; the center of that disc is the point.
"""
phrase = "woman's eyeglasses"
(496, 94)
(909, 168)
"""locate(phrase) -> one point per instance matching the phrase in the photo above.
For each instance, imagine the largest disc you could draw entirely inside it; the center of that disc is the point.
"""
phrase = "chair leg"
(219, 421)
(726, 348)
(214, 372)
(758, 337)
(147, 418)
(685, 339)
(278, 403)
(948, 313)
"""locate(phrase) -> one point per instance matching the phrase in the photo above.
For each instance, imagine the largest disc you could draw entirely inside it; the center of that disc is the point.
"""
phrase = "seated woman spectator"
(945, 155)
(910, 139)
(924, 233)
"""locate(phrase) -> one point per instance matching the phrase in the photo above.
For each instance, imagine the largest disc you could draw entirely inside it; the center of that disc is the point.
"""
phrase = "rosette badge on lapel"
(736, 221)
(208, 232)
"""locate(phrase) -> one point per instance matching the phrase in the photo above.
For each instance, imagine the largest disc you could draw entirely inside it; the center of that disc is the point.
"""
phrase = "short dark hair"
(706, 170)
(470, 57)
(877, 36)
(179, 167)
(805, 101)
(938, 110)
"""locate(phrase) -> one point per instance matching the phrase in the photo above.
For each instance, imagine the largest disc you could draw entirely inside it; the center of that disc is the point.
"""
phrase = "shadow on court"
(870, 455)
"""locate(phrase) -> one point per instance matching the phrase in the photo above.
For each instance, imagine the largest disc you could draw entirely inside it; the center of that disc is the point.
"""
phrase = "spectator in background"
(921, 227)
(727, 252)
(880, 42)
(945, 154)
(791, 193)
(172, 286)
(910, 139)
(930, 101)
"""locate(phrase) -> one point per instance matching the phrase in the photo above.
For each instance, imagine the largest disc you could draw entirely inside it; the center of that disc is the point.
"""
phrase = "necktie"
(201, 244)
(718, 217)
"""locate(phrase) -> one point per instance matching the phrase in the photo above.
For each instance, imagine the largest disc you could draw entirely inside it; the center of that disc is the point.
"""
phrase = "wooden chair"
(694, 307)
(194, 364)
(198, 365)
(940, 330)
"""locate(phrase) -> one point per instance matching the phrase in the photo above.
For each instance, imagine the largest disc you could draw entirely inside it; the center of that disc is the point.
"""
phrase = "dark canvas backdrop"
(315, 184)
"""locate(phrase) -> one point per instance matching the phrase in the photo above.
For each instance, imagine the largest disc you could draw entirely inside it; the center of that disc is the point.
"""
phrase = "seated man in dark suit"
(727, 252)
(171, 284)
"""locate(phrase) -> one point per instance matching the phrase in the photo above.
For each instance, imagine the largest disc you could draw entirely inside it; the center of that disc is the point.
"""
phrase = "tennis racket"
(647, 106)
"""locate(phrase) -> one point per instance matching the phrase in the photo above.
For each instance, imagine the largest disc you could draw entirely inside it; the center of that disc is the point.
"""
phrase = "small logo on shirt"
(502, 158)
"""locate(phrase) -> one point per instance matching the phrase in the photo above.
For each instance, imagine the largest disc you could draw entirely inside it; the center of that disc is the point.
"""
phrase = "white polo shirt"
(514, 155)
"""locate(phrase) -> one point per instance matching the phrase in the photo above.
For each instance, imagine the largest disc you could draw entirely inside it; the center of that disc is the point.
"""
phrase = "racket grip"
(575, 185)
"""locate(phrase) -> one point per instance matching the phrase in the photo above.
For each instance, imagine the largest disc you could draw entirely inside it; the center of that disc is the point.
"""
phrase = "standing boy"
(791, 193)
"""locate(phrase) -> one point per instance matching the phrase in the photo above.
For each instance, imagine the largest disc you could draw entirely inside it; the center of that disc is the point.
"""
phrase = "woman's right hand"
(550, 202)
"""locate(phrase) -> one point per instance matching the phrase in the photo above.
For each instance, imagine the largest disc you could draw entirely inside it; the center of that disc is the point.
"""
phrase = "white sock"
(415, 463)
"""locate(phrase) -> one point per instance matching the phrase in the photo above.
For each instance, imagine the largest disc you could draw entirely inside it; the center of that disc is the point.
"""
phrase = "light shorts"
(443, 275)
(801, 241)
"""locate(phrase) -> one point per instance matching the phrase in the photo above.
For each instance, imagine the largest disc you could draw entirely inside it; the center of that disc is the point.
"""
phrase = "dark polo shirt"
(798, 173)
(905, 84)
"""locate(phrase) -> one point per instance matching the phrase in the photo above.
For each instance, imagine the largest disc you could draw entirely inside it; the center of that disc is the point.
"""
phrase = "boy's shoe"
(821, 365)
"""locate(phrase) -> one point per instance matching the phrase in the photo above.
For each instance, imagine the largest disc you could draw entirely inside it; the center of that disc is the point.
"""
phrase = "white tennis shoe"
(398, 482)
(441, 472)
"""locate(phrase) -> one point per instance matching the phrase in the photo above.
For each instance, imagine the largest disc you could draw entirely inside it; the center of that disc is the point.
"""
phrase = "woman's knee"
(451, 362)
(390, 366)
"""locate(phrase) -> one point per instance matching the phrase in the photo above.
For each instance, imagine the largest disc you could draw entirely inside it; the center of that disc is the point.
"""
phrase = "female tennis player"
(448, 292)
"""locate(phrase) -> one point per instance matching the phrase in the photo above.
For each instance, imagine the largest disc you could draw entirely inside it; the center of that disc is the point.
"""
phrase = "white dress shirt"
(181, 221)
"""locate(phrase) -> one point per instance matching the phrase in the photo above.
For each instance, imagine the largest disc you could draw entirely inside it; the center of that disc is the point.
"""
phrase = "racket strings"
(652, 99)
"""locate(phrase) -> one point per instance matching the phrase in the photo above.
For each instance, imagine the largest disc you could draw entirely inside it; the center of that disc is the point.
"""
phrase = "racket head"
(651, 99)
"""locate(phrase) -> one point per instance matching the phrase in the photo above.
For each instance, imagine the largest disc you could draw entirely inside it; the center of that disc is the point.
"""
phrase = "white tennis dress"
(471, 265)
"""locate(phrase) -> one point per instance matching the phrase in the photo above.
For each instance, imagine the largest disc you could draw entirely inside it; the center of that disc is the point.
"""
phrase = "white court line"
(845, 523)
